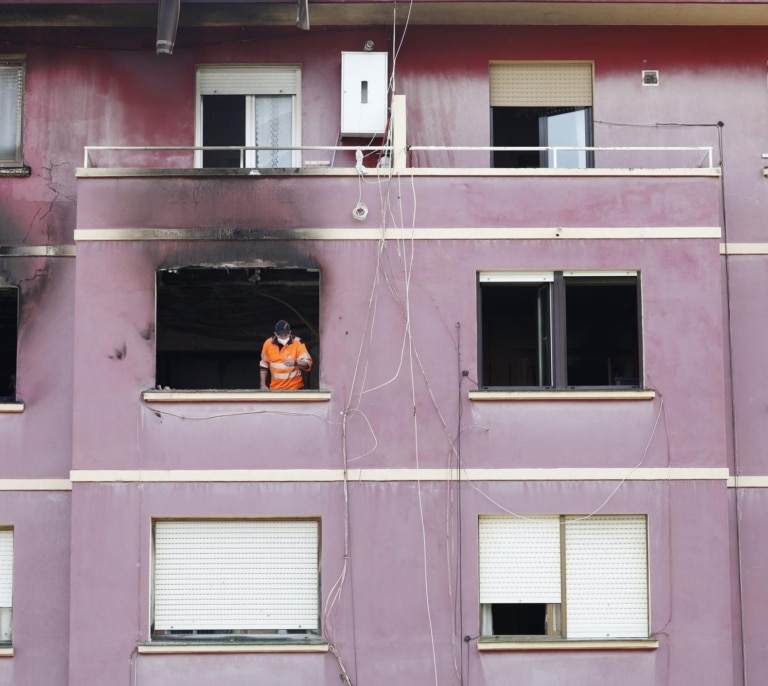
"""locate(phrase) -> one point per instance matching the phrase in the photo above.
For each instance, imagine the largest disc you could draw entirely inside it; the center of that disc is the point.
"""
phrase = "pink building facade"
(527, 256)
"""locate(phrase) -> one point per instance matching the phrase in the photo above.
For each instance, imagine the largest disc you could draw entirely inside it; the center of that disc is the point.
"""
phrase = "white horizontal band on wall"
(373, 475)
(748, 482)
(331, 475)
(38, 251)
(744, 248)
(438, 234)
(35, 485)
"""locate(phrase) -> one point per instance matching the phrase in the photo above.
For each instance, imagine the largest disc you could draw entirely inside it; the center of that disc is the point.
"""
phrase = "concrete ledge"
(235, 396)
(170, 648)
(563, 395)
(565, 644)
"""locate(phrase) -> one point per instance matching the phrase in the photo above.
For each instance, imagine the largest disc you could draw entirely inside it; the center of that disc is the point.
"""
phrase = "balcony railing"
(701, 156)
(399, 155)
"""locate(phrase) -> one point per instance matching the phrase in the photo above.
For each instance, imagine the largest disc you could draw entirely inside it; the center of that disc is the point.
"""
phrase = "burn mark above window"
(212, 322)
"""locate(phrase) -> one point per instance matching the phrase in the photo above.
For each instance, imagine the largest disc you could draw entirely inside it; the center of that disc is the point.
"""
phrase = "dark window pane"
(223, 124)
(9, 306)
(519, 619)
(602, 332)
(511, 335)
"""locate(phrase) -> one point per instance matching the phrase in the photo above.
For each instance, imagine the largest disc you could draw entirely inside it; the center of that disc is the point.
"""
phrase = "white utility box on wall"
(363, 93)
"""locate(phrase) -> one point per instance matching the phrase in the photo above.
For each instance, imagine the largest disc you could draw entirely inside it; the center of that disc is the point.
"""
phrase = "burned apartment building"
(524, 245)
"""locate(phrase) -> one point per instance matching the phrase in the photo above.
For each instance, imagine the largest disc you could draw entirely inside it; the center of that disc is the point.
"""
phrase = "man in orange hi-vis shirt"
(285, 357)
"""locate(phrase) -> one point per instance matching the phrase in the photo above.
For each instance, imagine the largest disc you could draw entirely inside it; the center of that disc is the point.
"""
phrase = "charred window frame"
(211, 323)
(12, 70)
(9, 334)
(560, 330)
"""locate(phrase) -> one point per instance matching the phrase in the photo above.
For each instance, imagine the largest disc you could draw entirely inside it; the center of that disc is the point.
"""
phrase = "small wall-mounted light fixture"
(650, 77)
(368, 47)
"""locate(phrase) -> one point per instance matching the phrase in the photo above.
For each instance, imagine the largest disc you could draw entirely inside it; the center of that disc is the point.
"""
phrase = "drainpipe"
(167, 23)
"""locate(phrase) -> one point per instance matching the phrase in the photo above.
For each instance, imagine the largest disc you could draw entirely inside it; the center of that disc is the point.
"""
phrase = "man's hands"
(288, 361)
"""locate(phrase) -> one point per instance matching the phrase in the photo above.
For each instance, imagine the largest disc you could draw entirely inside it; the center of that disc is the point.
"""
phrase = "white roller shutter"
(541, 84)
(248, 80)
(606, 571)
(11, 91)
(6, 568)
(519, 559)
(236, 575)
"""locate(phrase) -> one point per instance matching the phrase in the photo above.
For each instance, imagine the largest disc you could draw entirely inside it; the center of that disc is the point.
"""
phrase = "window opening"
(249, 106)
(239, 579)
(213, 321)
(539, 105)
(564, 577)
(9, 318)
(223, 124)
(559, 330)
(11, 108)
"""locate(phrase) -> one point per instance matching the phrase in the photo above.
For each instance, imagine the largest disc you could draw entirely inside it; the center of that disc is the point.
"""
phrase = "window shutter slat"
(519, 559)
(236, 575)
(606, 571)
(248, 80)
(544, 84)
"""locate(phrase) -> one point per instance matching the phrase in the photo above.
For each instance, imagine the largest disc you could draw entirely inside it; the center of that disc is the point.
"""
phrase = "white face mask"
(283, 341)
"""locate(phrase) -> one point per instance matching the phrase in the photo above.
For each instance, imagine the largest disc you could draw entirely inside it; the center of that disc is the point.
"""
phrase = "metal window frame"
(554, 281)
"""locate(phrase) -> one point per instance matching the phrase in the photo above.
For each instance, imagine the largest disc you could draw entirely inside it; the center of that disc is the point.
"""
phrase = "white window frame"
(237, 579)
(15, 65)
(591, 573)
(250, 80)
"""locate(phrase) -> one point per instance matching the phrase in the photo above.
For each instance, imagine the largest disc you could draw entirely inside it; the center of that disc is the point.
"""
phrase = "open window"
(11, 109)
(563, 577)
(540, 105)
(213, 321)
(236, 579)
(9, 330)
(248, 106)
(560, 330)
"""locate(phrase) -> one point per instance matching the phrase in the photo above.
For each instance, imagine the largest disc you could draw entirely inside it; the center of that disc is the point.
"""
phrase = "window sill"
(505, 644)
(177, 647)
(6, 651)
(13, 407)
(234, 396)
(19, 170)
(627, 394)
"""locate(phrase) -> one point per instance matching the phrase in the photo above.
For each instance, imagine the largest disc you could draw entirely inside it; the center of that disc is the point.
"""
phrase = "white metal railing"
(242, 149)
(706, 150)
(401, 160)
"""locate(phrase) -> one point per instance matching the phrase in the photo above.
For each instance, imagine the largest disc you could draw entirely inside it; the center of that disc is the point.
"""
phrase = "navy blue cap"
(282, 328)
